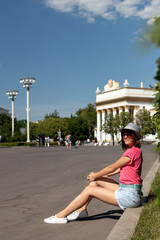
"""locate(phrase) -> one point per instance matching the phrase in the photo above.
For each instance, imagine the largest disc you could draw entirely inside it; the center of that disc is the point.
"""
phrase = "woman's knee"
(98, 182)
(93, 184)
(89, 189)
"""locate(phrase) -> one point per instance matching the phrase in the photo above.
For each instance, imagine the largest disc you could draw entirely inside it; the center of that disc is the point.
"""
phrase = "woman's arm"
(110, 170)
(114, 173)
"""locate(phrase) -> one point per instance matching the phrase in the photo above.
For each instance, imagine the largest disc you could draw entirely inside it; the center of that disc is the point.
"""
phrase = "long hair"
(137, 142)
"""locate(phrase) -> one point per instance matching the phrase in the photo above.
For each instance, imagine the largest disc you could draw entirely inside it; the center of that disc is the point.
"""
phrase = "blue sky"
(72, 47)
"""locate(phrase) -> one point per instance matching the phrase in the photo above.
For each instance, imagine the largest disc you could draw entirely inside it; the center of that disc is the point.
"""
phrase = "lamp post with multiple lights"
(27, 83)
(12, 95)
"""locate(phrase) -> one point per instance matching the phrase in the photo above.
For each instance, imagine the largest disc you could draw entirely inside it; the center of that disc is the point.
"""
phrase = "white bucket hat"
(133, 127)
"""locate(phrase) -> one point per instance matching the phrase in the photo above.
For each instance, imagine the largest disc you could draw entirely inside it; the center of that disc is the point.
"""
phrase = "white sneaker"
(75, 215)
(53, 219)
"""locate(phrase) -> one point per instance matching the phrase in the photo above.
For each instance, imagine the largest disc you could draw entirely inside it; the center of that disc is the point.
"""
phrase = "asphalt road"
(38, 182)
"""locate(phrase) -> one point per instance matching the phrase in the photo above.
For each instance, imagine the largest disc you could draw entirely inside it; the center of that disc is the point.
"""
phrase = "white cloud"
(61, 5)
(107, 9)
(150, 10)
(127, 8)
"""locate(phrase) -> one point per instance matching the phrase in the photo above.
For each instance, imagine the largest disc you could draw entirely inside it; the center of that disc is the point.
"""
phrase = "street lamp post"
(27, 83)
(12, 95)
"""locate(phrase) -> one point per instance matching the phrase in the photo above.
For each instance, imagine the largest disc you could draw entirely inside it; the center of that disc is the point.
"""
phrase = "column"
(135, 110)
(109, 110)
(98, 126)
(131, 110)
(126, 108)
(114, 112)
(109, 137)
(121, 109)
(103, 121)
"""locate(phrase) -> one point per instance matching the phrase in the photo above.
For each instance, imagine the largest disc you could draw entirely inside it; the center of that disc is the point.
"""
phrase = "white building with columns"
(116, 99)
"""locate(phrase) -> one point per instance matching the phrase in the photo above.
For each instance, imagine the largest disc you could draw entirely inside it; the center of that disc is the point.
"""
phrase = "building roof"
(126, 94)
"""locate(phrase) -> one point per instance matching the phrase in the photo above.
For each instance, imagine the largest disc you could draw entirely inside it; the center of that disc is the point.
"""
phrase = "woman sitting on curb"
(125, 194)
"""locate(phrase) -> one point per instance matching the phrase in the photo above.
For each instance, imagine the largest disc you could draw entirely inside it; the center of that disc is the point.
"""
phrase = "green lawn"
(148, 227)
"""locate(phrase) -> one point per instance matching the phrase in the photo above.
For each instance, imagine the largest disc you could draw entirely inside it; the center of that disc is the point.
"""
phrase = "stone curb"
(125, 226)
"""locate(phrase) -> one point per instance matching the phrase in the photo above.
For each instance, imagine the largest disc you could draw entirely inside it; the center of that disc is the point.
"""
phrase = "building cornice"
(117, 89)
(125, 98)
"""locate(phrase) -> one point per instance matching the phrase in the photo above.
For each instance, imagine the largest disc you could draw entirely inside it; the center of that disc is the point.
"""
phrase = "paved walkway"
(38, 182)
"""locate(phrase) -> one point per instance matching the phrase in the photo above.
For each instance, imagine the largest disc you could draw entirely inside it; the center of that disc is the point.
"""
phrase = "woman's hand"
(91, 177)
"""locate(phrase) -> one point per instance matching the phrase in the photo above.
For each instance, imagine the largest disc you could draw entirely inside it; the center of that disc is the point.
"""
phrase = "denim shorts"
(127, 198)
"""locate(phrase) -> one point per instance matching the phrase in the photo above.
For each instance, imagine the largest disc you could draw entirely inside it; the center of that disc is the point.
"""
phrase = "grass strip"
(148, 227)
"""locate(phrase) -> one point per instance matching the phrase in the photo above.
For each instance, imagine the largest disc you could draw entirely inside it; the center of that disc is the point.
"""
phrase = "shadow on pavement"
(109, 214)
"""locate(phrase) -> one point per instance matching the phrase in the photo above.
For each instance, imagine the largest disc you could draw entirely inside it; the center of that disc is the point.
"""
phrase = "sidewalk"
(126, 225)
(36, 182)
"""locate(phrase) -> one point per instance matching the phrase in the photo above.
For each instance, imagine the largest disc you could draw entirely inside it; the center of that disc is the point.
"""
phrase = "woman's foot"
(77, 215)
(53, 219)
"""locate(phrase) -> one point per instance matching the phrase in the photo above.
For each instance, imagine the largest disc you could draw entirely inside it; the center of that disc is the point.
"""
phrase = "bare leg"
(104, 194)
(104, 182)
(94, 184)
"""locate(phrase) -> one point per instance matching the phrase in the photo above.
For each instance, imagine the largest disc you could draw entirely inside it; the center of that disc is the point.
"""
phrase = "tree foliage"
(113, 124)
(109, 125)
(145, 122)
(125, 118)
(143, 119)
(157, 101)
(80, 126)
(6, 128)
(55, 114)
(90, 117)
(49, 127)
(154, 32)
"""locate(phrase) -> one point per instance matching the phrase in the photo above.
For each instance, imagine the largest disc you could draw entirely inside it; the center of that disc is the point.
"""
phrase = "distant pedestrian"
(43, 141)
(125, 194)
(47, 141)
(60, 141)
(68, 141)
(38, 141)
(77, 143)
(88, 141)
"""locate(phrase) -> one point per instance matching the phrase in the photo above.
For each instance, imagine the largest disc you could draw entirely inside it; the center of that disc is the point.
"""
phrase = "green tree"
(145, 122)
(50, 127)
(89, 114)
(5, 127)
(18, 136)
(21, 123)
(55, 114)
(155, 38)
(113, 124)
(157, 101)
(78, 128)
(153, 35)
(125, 118)
(154, 32)
(33, 130)
(110, 125)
